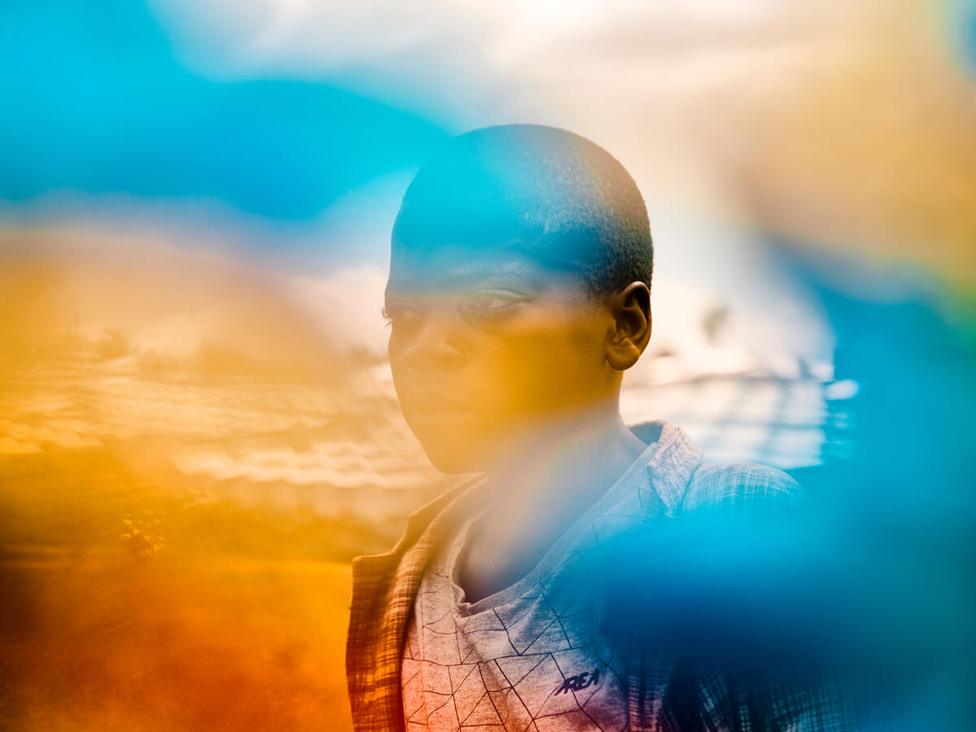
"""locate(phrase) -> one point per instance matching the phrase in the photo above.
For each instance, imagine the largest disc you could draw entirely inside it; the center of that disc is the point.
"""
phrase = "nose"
(435, 346)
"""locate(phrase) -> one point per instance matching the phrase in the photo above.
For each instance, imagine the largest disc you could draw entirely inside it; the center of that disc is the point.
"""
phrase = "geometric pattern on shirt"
(506, 667)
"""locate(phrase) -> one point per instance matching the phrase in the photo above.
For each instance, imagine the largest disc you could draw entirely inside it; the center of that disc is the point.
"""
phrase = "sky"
(283, 133)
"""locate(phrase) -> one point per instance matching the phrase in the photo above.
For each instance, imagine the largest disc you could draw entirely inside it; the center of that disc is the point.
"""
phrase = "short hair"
(551, 194)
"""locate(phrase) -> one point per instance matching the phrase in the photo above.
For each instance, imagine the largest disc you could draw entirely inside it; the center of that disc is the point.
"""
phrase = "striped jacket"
(661, 696)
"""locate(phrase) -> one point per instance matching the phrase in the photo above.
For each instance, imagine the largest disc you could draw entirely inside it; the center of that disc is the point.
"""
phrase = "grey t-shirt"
(527, 657)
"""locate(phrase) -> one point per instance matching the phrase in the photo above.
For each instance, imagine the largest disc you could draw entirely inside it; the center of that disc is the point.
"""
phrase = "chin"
(452, 452)
(453, 442)
(452, 459)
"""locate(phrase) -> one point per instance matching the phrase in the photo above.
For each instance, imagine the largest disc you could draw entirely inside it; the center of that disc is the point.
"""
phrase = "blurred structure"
(197, 427)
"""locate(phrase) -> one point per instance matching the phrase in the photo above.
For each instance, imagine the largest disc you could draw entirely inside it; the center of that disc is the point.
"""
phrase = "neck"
(551, 473)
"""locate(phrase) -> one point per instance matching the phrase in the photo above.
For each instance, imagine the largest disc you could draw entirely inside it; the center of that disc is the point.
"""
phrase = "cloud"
(112, 296)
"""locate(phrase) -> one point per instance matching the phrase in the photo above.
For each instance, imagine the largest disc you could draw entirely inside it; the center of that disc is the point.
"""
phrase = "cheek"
(550, 361)
(394, 350)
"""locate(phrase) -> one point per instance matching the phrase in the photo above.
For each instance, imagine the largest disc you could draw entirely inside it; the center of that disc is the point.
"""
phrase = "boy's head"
(519, 288)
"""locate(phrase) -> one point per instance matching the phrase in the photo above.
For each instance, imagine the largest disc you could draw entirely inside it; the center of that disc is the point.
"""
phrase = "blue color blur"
(96, 101)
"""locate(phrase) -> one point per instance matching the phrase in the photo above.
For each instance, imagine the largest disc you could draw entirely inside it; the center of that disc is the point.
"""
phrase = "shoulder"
(686, 481)
(453, 503)
(745, 484)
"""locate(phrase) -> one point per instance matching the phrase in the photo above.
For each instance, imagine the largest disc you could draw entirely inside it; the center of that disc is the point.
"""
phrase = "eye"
(399, 313)
(493, 301)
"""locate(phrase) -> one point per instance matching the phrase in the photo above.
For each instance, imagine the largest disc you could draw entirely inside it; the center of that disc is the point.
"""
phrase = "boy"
(519, 293)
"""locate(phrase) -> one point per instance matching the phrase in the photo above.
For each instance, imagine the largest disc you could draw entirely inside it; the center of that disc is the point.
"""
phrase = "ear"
(630, 331)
